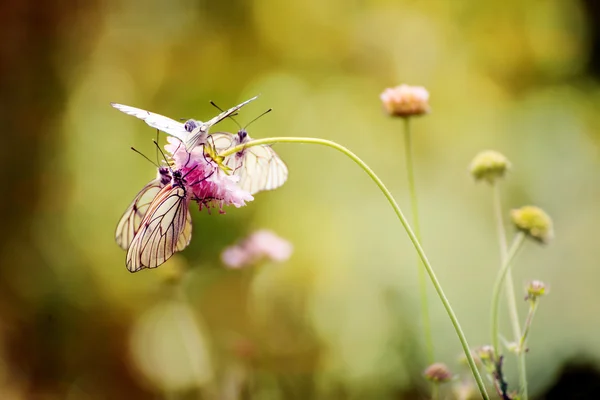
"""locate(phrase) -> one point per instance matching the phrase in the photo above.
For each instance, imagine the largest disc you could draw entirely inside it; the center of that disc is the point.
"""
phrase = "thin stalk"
(417, 226)
(403, 221)
(522, 349)
(509, 285)
(435, 391)
(532, 309)
(514, 248)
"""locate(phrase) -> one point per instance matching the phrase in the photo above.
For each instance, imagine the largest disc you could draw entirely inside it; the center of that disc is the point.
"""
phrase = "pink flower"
(262, 244)
(405, 100)
(209, 185)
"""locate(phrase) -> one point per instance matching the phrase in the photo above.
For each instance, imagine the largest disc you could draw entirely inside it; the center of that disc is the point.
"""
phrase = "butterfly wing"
(259, 168)
(132, 218)
(199, 134)
(160, 122)
(222, 141)
(186, 236)
(160, 233)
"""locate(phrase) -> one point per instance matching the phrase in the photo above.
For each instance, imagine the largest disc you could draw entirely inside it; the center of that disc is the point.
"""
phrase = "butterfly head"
(178, 178)
(190, 125)
(164, 175)
(242, 135)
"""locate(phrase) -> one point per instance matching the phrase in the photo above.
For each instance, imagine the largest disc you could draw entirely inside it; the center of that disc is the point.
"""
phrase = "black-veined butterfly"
(165, 228)
(258, 168)
(133, 215)
(192, 132)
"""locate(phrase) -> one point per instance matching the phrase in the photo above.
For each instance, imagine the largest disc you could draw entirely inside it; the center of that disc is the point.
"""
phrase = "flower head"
(262, 244)
(489, 165)
(438, 373)
(486, 355)
(535, 289)
(210, 185)
(534, 222)
(405, 101)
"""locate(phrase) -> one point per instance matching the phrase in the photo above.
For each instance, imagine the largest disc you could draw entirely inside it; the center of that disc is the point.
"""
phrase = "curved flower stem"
(403, 221)
(509, 286)
(514, 248)
(415, 215)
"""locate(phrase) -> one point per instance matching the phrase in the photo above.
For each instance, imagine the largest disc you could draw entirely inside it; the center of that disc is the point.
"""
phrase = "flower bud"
(405, 101)
(438, 373)
(486, 355)
(535, 289)
(513, 347)
(488, 166)
(534, 222)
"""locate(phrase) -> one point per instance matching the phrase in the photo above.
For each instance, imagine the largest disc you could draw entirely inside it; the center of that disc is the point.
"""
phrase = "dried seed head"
(534, 222)
(438, 373)
(489, 165)
(405, 101)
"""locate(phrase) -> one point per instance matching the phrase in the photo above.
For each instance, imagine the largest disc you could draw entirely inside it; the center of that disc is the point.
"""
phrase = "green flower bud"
(486, 355)
(534, 222)
(488, 166)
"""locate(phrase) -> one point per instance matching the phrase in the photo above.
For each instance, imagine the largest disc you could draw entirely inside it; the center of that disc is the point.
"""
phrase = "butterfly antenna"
(157, 160)
(263, 114)
(146, 157)
(163, 154)
(230, 117)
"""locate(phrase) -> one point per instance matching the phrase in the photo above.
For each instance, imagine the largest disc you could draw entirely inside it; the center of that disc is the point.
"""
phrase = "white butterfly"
(259, 167)
(157, 223)
(192, 132)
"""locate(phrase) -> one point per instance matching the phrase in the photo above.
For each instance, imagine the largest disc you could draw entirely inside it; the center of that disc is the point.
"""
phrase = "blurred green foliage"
(341, 318)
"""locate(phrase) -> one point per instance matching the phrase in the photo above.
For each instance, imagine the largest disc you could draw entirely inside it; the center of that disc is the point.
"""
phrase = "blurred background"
(340, 319)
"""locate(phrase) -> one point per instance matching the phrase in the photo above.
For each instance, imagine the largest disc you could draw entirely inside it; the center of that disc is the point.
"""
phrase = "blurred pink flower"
(210, 186)
(234, 256)
(262, 244)
(405, 100)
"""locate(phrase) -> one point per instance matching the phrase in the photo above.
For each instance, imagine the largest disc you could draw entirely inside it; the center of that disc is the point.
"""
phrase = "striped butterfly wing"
(160, 122)
(132, 218)
(165, 229)
(260, 168)
(186, 235)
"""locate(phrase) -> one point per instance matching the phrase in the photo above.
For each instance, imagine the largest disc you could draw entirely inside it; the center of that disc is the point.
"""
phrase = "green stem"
(415, 216)
(509, 286)
(516, 245)
(403, 221)
(532, 309)
(522, 349)
(435, 391)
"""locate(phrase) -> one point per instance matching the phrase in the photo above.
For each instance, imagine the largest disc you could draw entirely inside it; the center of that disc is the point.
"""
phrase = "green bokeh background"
(341, 318)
